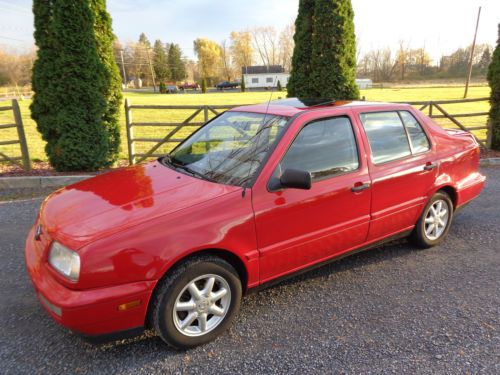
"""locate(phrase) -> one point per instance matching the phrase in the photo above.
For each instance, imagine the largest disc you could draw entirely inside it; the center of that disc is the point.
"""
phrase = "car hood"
(113, 201)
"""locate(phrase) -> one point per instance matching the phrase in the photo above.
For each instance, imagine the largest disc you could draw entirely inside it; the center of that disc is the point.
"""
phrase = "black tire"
(161, 311)
(419, 237)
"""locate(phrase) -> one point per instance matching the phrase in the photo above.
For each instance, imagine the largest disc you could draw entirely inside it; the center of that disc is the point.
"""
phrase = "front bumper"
(91, 312)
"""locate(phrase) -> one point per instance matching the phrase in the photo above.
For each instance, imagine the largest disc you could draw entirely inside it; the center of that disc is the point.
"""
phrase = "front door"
(297, 228)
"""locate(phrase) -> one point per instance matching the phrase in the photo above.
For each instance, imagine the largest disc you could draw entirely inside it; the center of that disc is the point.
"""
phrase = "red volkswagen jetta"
(258, 193)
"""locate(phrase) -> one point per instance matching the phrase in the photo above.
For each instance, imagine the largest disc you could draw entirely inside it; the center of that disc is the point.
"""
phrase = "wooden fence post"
(130, 133)
(22, 137)
(205, 113)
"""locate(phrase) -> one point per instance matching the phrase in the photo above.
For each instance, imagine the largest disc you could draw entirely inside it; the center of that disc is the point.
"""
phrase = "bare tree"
(286, 45)
(227, 66)
(266, 43)
(15, 69)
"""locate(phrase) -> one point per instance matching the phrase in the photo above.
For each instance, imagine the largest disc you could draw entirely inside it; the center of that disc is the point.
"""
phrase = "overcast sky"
(439, 25)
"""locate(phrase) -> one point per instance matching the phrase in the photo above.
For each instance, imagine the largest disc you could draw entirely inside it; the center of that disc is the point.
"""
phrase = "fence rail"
(435, 110)
(172, 128)
(24, 160)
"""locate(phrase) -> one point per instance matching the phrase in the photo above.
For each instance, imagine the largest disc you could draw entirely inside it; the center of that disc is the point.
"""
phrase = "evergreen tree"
(494, 81)
(143, 39)
(279, 86)
(300, 84)
(112, 78)
(243, 84)
(73, 84)
(175, 63)
(160, 63)
(333, 59)
(204, 85)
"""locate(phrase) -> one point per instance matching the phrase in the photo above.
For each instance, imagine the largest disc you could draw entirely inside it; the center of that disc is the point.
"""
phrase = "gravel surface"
(393, 309)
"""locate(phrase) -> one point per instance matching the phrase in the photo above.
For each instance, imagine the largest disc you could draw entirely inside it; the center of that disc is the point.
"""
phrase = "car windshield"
(229, 149)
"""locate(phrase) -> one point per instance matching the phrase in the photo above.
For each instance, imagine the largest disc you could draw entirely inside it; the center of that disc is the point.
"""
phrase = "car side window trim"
(412, 153)
(412, 148)
(319, 179)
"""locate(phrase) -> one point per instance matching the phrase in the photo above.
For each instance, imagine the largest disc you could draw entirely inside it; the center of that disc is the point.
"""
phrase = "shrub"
(76, 84)
(163, 88)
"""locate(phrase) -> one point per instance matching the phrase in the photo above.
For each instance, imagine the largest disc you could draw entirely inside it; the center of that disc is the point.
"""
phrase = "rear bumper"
(470, 188)
(88, 312)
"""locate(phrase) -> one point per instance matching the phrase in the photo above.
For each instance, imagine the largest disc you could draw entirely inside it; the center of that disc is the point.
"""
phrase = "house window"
(269, 80)
(255, 80)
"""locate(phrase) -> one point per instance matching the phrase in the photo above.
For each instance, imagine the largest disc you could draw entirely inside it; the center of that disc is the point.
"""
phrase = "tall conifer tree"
(76, 84)
(300, 84)
(333, 57)
(324, 57)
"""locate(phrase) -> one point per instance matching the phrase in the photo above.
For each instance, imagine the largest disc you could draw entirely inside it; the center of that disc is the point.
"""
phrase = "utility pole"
(469, 73)
(152, 71)
(123, 70)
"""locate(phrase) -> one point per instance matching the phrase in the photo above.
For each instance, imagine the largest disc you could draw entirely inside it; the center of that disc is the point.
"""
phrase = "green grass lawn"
(36, 144)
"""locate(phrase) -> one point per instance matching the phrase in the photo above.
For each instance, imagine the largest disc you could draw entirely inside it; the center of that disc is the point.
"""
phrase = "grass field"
(36, 145)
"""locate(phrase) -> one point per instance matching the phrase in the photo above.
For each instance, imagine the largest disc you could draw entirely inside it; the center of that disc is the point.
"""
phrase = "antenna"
(258, 139)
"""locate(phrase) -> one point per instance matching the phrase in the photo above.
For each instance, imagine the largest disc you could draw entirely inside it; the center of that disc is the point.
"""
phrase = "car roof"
(291, 106)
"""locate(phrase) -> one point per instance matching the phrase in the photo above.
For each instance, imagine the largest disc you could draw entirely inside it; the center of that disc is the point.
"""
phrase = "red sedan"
(258, 193)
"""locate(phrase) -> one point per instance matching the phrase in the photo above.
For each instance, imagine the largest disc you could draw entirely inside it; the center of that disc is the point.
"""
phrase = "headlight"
(64, 261)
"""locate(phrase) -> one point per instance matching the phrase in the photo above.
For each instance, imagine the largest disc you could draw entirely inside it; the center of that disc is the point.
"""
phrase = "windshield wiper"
(168, 159)
(193, 172)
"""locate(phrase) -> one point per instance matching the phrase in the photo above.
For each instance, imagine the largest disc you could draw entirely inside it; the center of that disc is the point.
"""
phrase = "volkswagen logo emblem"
(38, 232)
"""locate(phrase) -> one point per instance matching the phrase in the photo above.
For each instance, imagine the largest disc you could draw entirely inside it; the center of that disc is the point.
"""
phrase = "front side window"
(386, 136)
(269, 79)
(255, 80)
(230, 149)
(324, 148)
(418, 139)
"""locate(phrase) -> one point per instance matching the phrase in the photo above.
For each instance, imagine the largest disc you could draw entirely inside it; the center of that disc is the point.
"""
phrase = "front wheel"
(196, 303)
(435, 221)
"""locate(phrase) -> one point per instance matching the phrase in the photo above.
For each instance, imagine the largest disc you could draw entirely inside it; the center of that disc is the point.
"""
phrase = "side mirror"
(295, 179)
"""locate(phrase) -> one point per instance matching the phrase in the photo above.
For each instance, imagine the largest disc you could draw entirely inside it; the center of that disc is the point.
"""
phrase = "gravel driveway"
(392, 309)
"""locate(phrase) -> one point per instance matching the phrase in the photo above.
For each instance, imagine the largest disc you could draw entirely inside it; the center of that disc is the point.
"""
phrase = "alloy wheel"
(202, 305)
(436, 219)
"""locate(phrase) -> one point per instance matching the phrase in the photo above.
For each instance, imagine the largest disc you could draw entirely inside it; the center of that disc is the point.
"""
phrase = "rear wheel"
(435, 221)
(196, 302)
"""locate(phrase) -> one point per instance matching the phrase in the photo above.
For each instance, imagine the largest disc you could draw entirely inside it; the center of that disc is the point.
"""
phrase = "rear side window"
(418, 139)
(386, 135)
(324, 148)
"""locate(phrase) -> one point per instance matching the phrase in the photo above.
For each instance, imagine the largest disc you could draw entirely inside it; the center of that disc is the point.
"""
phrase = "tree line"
(408, 64)
(215, 60)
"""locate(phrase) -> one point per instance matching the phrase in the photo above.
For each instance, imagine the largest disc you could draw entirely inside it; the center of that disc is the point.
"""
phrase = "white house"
(268, 76)
(264, 76)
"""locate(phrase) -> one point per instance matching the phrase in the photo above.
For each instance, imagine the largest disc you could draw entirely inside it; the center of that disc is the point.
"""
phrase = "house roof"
(262, 69)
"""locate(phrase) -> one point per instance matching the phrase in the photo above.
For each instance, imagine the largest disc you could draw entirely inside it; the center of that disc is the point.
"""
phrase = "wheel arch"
(452, 193)
(224, 254)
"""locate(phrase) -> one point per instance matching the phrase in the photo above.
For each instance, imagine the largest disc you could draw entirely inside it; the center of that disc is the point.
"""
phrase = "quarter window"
(324, 148)
(255, 80)
(269, 80)
(418, 139)
(386, 135)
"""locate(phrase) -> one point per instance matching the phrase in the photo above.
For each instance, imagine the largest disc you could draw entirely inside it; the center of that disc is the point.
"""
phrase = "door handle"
(430, 166)
(358, 186)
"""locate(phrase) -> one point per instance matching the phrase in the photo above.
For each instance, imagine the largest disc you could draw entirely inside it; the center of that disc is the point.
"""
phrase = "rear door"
(403, 169)
(297, 228)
